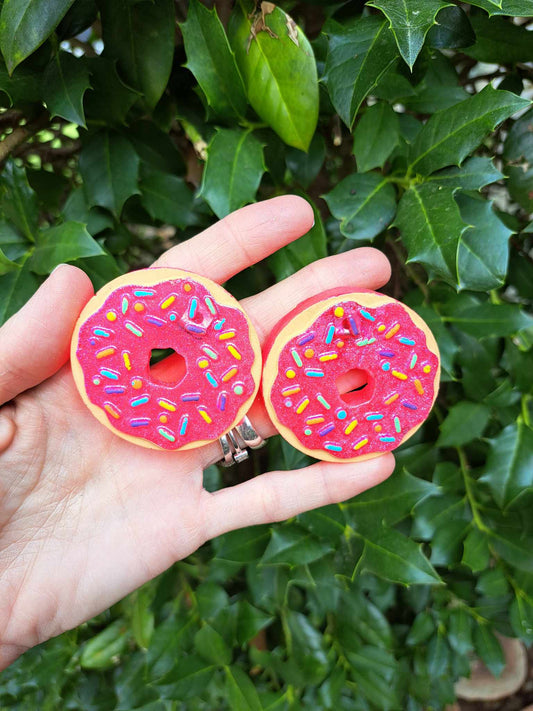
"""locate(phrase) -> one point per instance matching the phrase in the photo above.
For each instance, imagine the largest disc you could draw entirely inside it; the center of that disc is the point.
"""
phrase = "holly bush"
(129, 125)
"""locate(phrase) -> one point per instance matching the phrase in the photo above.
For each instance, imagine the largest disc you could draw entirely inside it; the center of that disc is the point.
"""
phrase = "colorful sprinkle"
(291, 390)
(333, 447)
(218, 325)
(111, 316)
(377, 428)
(101, 332)
(290, 373)
(111, 374)
(407, 341)
(112, 410)
(392, 398)
(312, 373)
(127, 360)
(134, 329)
(221, 401)
(392, 331)
(339, 312)
(288, 403)
(168, 302)
(96, 381)
(326, 429)
(342, 414)
(296, 358)
(314, 420)
(366, 315)
(339, 344)
(361, 443)
(167, 434)
(238, 389)
(211, 379)
(353, 326)
(426, 368)
(140, 292)
(387, 439)
(210, 305)
(413, 361)
(375, 416)
(140, 422)
(328, 356)
(381, 327)
(205, 415)
(324, 402)
(163, 419)
(306, 338)
(309, 353)
(330, 333)
(397, 425)
(139, 307)
(210, 352)
(190, 397)
(183, 424)
(400, 376)
(139, 401)
(192, 307)
(136, 383)
(203, 363)
(187, 287)
(385, 366)
(167, 405)
(409, 405)
(227, 334)
(350, 427)
(155, 321)
(418, 386)
(308, 431)
(125, 305)
(387, 354)
(228, 375)
(106, 352)
(192, 328)
(302, 405)
(172, 317)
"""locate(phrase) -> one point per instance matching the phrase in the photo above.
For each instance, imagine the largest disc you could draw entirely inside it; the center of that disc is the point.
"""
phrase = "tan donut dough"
(150, 278)
(297, 322)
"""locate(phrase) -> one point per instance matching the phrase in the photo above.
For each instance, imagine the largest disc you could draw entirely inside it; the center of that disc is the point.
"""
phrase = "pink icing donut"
(364, 338)
(166, 308)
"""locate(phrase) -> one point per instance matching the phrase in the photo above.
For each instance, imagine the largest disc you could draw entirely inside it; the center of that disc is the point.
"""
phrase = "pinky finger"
(276, 496)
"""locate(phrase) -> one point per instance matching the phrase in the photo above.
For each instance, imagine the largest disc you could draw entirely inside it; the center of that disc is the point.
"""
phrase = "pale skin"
(86, 517)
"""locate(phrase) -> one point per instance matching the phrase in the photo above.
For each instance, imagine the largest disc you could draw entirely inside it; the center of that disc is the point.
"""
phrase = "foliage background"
(129, 125)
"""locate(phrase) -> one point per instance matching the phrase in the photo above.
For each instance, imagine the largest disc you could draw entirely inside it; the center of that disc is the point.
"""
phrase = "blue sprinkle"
(342, 414)
(221, 402)
(212, 380)
(101, 332)
(109, 374)
(172, 317)
(387, 354)
(194, 329)
(156, 321)
(184, 422)
(314, 373)
(366, 315)
(219, 324)
(141, 422)
(140, 401)
(192, 308)
(387, 439)
(374, 417)
(353, 326)
(386, 366)
(407, 341)
(409, 405)
(115, 391)
(330, 333)
(143, 293)
(333, 447)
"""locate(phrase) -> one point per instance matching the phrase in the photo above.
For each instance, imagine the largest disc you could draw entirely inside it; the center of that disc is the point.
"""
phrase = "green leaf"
(23, 85)
(101, 652)
(510, 541)
(516, 8)
(359, 53)
(303, 251)
(305, 166)
(210, 646)
(509, 468)
(450, 135)
(499, 41)
(244, 545)
(279, 71)
(65, 81)
(489, 649)
(233, 170)
(438, 655)
(439, 89)
(430, 222)
(6, 264)
(476, 553)
(166, 197)
(18, 202)
(486, 320)
(521, 617)
(465, 422)
(110, 100)
(452, 30)
(410, 21)
(375, 136)
(142, 617)
(391, 556)
(25, 24)
(291, 545)
(109, 167)
(483, 253)
(155, 147)
(460, 630)
(358, 621)
(308, 647)
(240, 691)
(518, 153)
(187, 679)
(141, 37)
(16, 287)
(211, 60)
(250, 621)
(63, 243)
(365, 203)
(473, 174)
(373, 671)
(421, 630)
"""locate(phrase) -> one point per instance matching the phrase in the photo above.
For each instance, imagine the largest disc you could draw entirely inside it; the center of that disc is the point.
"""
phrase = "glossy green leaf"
(509, 468)
(476, 553)
(16, 287)
(166, 197)
(233, 170)
(65, 81)
(292, 545)
(375, 136)
(373, 671)
(518, 152)
(460, 630)
(439, 88)
(21, 86)
(488, 648)
(187, 679)
(25, 25)
(155, 147)
(436, 512)
(63, 243)
(493, 583)
(244, 545)
(359, 621)
(500, 41)
(473, 174)
(421, 630)
(410, 21)
(279, 72)
(308, 647)
(452, 29)
(305, 166)
(241, 693)
(365, 203)
(18, 202)
(430, 222)
(521, 617)
(464, 422)
(511, 541)
(450, 135)
(359, 53)
(6, 264)
(109, 167)
(518, 8)
(145, 49)
(438, 655)
(211, 646)
(211, 60)
(110, 99)
(491, 319)
(250, 621)
(483, 253)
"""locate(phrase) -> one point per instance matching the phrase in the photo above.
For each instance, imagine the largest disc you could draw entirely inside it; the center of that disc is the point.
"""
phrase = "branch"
(21, 134)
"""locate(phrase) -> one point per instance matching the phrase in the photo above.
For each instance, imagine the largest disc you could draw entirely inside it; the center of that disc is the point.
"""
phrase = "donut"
(363, 337)
(163, 308)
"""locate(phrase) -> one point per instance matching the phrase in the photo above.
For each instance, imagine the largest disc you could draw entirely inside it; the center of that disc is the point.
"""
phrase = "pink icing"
(401, 374)
(181, 314)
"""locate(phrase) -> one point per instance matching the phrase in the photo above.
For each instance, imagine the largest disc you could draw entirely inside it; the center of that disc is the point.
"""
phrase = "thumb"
(35, 342)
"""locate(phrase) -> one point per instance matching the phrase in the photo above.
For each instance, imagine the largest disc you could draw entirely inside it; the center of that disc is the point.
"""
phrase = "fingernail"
(63, 264)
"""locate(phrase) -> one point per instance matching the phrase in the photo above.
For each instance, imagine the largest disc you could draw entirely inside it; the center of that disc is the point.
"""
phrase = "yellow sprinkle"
(234, 352)
(392, 398)
(167, 302)
(329, 356)
(114, 413)
(392, 331)
(291, 391)
(381, 328)
(301, 407)
(290, 373)
(166, 405)
(127, 361)
(361, 443)
(314, 420)
(418, 386)
(137, 383)
(107, 352)
(206, 417)
(427, 369)
(203, 363)
(339, 311)
(350, 427)
(231, 372)
(225, 336)
(400, 376)
(111, 316)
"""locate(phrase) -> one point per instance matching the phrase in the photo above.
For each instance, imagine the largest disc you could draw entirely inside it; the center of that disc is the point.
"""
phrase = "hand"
(87, 517)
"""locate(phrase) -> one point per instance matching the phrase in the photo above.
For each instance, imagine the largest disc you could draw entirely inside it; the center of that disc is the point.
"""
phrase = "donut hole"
(355, 387)
(167, 366)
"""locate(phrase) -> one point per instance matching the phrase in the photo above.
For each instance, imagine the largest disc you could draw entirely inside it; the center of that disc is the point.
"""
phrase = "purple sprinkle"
(326, 429)
(194, 329)
(190, 397)
(156, 321)
(409, 405)
(140, 422)
(353, 325)
(92, 342)
(306, 338)
(387, 354)
(221, 402)
(112, 391)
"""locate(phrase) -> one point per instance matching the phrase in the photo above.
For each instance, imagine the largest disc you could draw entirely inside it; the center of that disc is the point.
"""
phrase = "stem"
(469, 492)
(21, 134)
(408, 268)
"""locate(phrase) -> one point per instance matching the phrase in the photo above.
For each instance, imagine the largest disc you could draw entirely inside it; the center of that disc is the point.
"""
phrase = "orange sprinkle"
(418, 386)
(105, 353)
(378, 428)
(392, 331)
(314, 420)
(187, 287)
(137, 383)
(112, 410)
(228, 375)
(339, 344)
(392, 398)
(291, 391)
(309, 353)
(163, 418)
(138, 307)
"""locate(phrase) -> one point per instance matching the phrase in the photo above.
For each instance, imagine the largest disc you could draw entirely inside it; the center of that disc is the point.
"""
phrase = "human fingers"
(35, 342)
(242, 238)
(278, 495)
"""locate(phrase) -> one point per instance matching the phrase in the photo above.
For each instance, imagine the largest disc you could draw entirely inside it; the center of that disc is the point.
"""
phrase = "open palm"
(86, 517)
